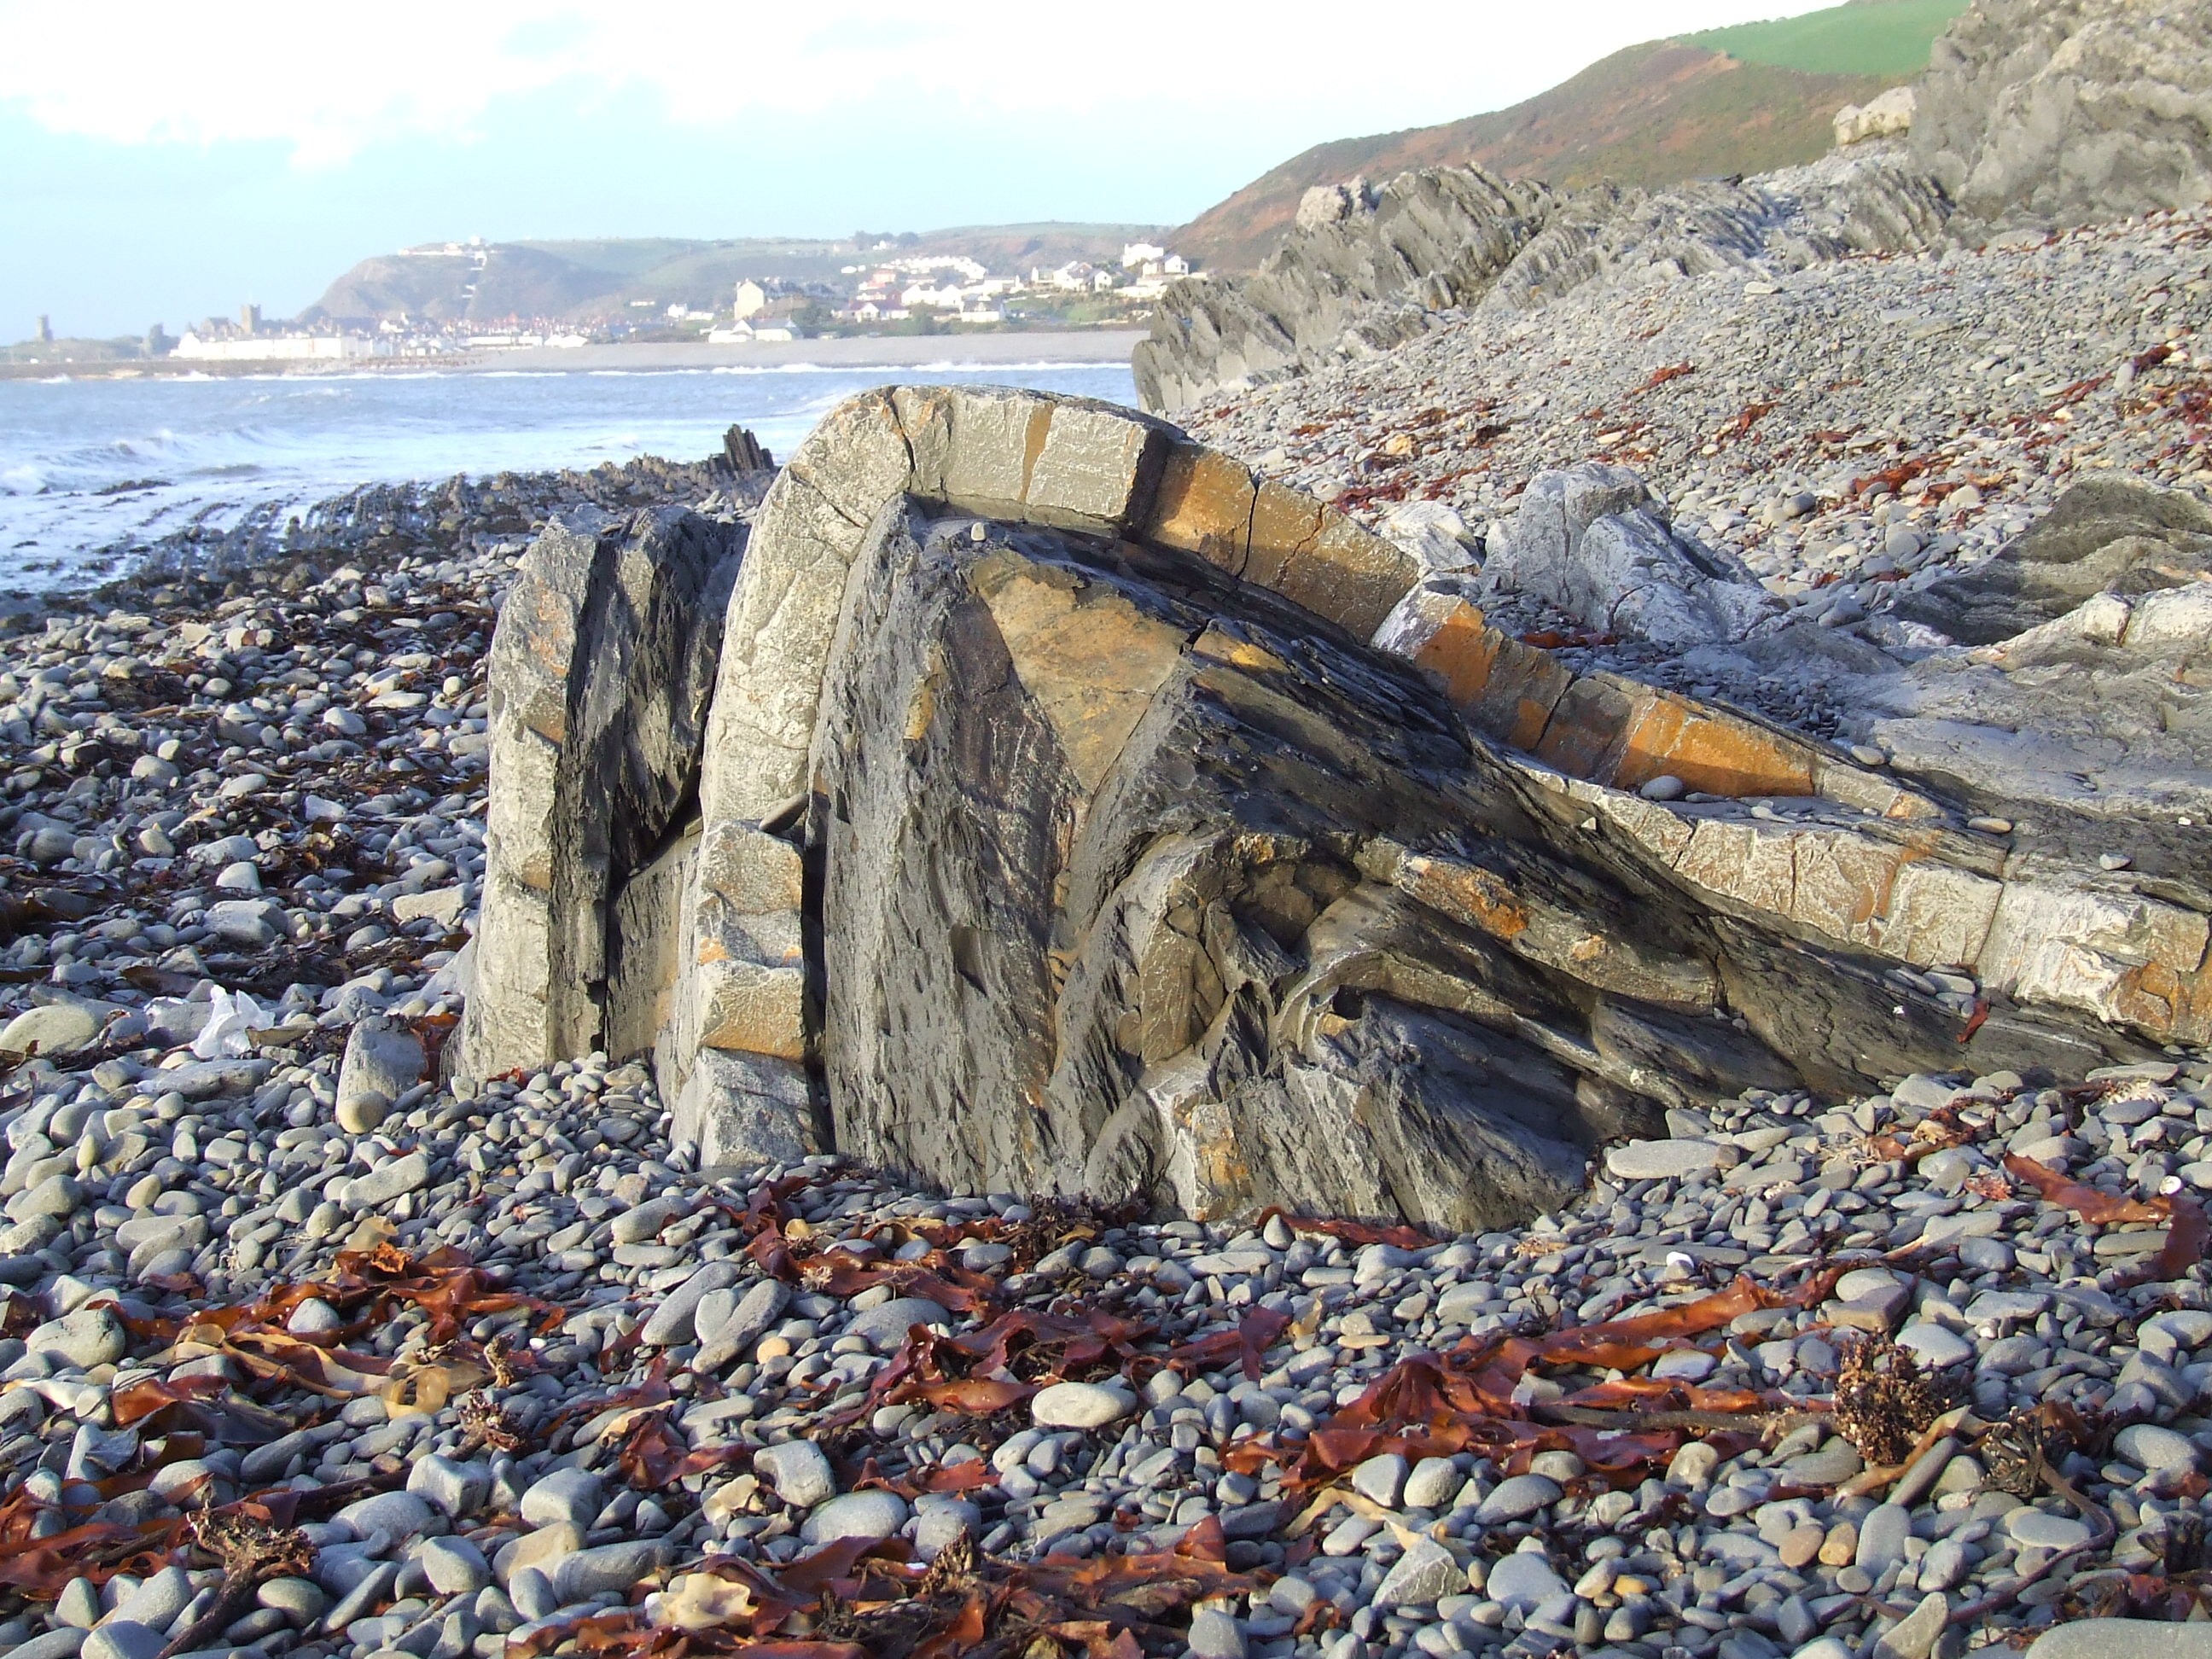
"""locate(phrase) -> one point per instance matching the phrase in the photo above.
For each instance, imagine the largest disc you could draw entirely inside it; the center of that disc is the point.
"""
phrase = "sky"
(166, 162)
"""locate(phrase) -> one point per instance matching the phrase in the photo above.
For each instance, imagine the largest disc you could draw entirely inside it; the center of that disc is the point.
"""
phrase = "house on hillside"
(1076, 276)
(751, 298)
(944, 298)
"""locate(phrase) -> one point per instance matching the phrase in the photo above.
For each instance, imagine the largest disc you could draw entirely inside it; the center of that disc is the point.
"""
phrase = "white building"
(767, 332)
(1137, 255)
(946, 298)
(752, 298)
(1077, 276)
(283, 348)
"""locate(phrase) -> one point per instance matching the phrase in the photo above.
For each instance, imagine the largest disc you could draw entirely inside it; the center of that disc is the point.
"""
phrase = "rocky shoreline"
(318, 1345)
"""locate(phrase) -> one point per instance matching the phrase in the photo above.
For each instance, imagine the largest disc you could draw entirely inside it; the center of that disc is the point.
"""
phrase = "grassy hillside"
(1736, 100)
(1874, 37)
(586, 280)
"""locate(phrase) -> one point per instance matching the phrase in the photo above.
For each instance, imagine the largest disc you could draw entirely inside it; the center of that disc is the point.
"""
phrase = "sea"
(93, 471)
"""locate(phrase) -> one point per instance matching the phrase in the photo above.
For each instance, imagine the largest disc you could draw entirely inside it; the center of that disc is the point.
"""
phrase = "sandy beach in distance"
(894, 351)
(1099, 345)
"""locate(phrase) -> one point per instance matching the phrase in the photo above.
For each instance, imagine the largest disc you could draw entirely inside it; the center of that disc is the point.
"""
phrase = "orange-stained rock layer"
(1609, 730)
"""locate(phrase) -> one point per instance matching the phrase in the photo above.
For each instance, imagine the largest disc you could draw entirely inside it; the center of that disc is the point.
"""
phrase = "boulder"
(1591, 541)
(1434, 533)
(53, 1028)
(1886, 115)
(599, 673)
(383, 1060)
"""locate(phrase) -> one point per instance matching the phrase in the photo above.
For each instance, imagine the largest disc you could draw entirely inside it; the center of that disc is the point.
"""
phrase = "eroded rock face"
(2067, 112)
(600, 669)
(1137, 883)
(1365, 266)
(1126, 802)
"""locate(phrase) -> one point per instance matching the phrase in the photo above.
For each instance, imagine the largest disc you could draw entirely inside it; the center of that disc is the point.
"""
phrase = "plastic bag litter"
(225, 1036)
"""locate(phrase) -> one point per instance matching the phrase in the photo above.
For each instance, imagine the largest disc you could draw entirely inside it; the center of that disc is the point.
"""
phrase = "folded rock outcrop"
(1363, 266)
(1077, 811)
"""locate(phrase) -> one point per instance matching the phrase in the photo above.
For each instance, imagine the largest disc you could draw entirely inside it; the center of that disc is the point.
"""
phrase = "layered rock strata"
(1079, 811)
(1369, 267)
(598, 677)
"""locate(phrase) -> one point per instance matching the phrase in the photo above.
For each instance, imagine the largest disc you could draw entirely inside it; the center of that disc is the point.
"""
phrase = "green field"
(1873, 37)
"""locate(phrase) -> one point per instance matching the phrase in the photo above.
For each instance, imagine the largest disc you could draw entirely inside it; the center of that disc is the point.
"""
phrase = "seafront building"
(281, 348)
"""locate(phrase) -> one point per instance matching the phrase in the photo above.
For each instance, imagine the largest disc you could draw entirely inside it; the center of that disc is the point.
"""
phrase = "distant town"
(901, 293)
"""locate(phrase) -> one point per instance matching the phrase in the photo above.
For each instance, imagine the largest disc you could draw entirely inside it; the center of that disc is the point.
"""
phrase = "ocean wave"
(232, 448)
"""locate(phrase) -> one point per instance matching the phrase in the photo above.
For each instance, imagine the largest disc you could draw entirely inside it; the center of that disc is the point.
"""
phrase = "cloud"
(328, 83)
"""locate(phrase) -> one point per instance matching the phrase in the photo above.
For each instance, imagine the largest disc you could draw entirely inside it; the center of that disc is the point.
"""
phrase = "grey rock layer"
(1139, 882)
(2067, 111)
(2111, 535)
